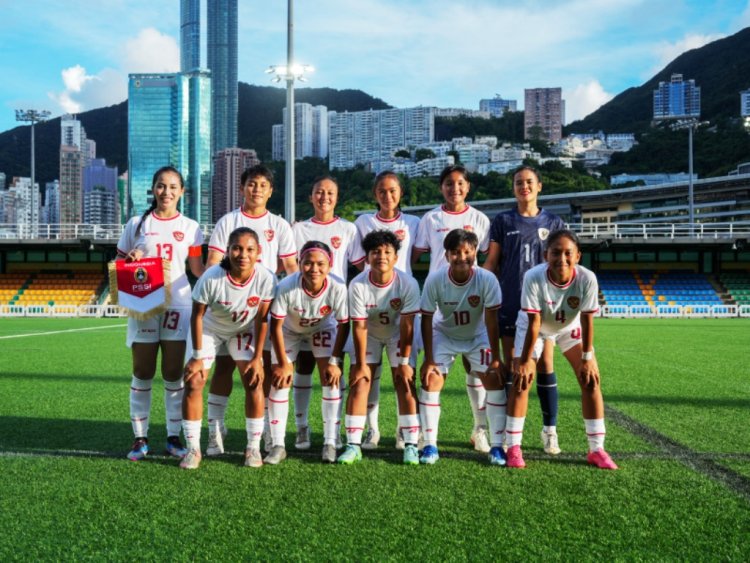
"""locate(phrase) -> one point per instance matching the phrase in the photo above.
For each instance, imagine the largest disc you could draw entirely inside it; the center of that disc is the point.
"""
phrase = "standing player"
(459, 316)
(382, 305)
(341, 237)
(388, 192)
(277, 252)
(230, 312)
(455, 213)
(517, 240)
(310, 307)
(162, 231)
(560, 299)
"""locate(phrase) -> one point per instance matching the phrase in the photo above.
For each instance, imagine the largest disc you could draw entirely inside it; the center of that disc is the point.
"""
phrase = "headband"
(316, 249)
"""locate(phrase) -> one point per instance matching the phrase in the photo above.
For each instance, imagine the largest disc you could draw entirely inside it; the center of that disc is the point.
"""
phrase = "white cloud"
(584, 99)
(151, 51)
(667, 52)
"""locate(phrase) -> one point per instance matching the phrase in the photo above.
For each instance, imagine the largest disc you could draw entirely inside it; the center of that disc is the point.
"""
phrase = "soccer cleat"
(253, 458)
(352, 454)
(549, 439)
(215, 443)
(191, 461)
(267, 441)
(371, 440)
(411, 455)
(276, 456)
(497, 456)
(601, 459)
(139, 449)
(303, 438)
(479, 439)
(515, 458)
(175, 447)
(329, 454)
(429, 455)
(400, 444)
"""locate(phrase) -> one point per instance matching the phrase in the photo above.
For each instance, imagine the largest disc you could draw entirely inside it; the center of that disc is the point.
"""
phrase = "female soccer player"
(388, 193)
(341, 237)
(455, 213)
(277, 253)
(310, 307)
(162, 231)
(560, 298)
(230, 311)
(459, 316)
(517, 240)
(382, 304)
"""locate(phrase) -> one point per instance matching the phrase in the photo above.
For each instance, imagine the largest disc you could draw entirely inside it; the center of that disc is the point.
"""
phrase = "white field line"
(60, 331)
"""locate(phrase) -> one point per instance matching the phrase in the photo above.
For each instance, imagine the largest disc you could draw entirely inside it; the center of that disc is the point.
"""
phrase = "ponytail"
(143, 217)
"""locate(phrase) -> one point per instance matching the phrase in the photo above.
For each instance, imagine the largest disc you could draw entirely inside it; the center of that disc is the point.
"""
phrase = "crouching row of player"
(459, 306)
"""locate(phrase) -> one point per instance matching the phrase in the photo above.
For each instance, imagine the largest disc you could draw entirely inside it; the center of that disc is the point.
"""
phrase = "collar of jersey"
(444, 210)
(237, 284)
(369, 278)
(454, 282)
(383, 220)
(167, 219)
(572, 278)
(314, 296)
(254, 216)
(314, 220)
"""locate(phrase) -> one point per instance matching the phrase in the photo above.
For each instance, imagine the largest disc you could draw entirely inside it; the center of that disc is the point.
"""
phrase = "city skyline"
(444, 54)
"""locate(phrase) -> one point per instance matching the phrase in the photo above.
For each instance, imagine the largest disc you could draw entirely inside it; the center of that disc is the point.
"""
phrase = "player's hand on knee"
(194, 372)
(359, 372)
(405, 375)
(495, 373)
(254, 373)
(428, 371)
(589, 374)
(281, 376)
(332, 375)
(524, 377)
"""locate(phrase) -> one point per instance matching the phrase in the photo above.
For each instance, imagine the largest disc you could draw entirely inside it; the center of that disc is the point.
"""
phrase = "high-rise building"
(229, 164)
(169, 123)
(677, 99)
(22, 205)
(222, 62)
(122, 196)
(2, 180)
(100, 201)
(72, 162)
(51, 208)
(544, 114)
(497, 106)
(310, 133)
(190, 35)
(745, 103)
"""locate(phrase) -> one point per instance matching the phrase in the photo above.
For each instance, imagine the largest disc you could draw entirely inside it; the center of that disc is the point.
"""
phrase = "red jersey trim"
(421, 248)
(287, 255)
(594, 311)
(359, 261)
(531, 310)
(167, 219)
(444, 210)
(369, 278)
(493, 307)
(217, 249)
(358, 318)
(254, 216)
(408, 313)
(314, 220)
(280, 317)
(426, 312)
(572, 279)
(342, 321)
(384, 220)
(247, 281)
(194, 251)
(267, 300)
(457, 284)
(315, 295)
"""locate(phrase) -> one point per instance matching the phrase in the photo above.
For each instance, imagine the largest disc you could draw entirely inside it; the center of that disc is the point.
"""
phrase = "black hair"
(320, 179)
(448, 170)
(376, 239)
(382, 176)
(255, 171)
(154, 204)
(315, 245)
(554, 236)
(531, 169)
(457, 237)
(233, 237)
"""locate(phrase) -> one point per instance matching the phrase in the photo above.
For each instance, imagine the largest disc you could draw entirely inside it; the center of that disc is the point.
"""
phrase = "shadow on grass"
(124, 378)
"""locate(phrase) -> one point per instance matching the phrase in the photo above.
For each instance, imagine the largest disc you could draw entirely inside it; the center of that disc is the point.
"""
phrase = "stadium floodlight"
(32, 116)
(290, 72)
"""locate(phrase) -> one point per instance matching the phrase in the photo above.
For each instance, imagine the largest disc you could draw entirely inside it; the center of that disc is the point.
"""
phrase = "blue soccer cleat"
(139, 449)
(175, 447)
(430, 455)
(411, 455)
(497, 456)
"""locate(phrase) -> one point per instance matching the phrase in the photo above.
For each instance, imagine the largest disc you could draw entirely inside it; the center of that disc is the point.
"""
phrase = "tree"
(424, 154)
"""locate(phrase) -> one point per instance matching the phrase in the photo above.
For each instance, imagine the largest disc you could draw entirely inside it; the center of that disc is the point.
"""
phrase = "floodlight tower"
(32, 116)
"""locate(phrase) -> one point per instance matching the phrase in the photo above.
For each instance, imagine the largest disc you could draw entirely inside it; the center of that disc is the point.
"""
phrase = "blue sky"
(74, 55)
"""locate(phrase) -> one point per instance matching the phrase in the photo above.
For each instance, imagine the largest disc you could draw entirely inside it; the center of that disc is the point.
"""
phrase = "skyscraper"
(190, 35)
(100, 198)
(229, 164)
(222, 62)
(544, 114)
(71, 189)
(677, 98)
(310, 133)
(497, 106)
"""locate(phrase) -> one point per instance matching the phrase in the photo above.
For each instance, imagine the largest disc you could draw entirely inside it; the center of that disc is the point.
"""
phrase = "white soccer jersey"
(382, 306)
(232, 306)
(437, 223)
(559, 305)
(304, 313)
(275, 234)
(175, 239)
(459, 308)
(339, 234)
(405, 228)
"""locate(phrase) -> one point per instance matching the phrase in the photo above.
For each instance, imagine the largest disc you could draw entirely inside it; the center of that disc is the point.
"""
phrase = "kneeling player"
(382, 304)
(227, 300)
(307, 307)
(559, 299)
(459, 316)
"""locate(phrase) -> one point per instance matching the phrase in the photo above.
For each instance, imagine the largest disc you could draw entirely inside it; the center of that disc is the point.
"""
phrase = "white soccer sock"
(373, 401)
(217, 408)
(514, 430)
(140, 405)
(496, 403)
(429, 415)
(278, 413)
(330, 407)
(478, 399)
(409, 426)
(302, 393)
(192, 431)
(254, 429)
(595, 433)
(549, 429)
(173, 391)
(355, 424)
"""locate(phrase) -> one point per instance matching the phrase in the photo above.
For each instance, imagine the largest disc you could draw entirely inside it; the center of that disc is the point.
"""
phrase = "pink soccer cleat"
(601, 459)
(515, 458)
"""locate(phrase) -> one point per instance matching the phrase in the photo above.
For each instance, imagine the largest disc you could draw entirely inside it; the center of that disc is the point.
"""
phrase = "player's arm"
(428, 365)
(359, 367)
(288, 264)
(589, 372)
(283, 370)
(406, 340)
(527, 366)
(255, 367)
(493, 333)
(492, 263)
(195, 261)
(194, 366)
(333, 371)
(214, 257)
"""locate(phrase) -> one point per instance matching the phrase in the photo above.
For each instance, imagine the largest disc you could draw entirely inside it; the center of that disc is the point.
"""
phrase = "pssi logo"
(141, 275)
(400, 234)
(573, 302)
(469, 228)
(335, 242)
(325, 310)
(474, 300)
(396, 304)
(253, 301)
(269, 234)
(178, 235)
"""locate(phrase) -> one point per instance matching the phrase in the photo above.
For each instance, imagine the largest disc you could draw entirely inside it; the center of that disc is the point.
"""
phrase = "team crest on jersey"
(141, 275)
(335, 242)
(573, 302)
(469, 228)
(178, 235)
(269, 234)
(396, 304)
(400, 234)
(325, 310)
(473, 300)
(543, 233)
(253, 301)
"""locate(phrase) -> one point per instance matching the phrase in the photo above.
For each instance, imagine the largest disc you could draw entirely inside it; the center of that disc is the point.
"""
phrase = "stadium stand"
(657, 287)
(737, 286)
(65, 287)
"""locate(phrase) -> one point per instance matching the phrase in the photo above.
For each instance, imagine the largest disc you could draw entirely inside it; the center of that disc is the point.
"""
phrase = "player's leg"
(404, 382)
(303, 376)
(144, 367)
(429, 397)
(546, 390)
(356, 412)
(497, 401)
(172, 360)
(332, 396)
(278, 402)
(478, 400)
(218, 398)
(372, 439)
(254, 411)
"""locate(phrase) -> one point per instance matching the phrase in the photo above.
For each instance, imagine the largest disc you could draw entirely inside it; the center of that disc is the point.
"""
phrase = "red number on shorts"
(384, 318)
(171, 320)
(322, 339)
(164, 251)
(560, 316)
(248, 337)
(485, 356)
(575, 334)
(240, 317)
(308, 322)
(461, 317)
